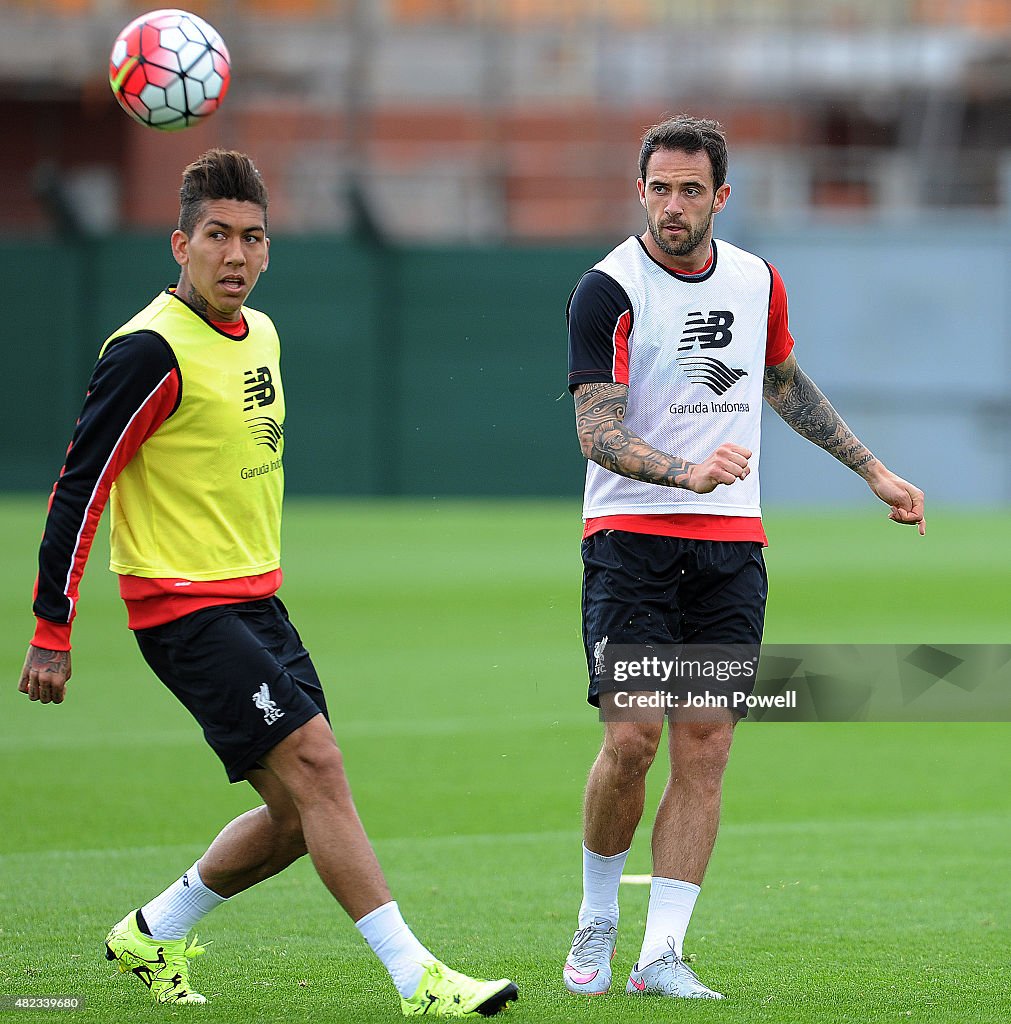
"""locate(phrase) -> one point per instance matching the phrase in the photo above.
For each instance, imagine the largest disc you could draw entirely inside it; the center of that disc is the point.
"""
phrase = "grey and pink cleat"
(668, 976)
(587, 969)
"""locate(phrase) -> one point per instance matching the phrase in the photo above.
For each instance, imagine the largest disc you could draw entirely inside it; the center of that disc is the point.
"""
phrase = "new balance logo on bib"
(712, 331)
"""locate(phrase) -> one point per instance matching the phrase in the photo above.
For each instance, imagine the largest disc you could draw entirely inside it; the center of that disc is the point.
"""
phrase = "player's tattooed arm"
(603, 437)
(800, 403)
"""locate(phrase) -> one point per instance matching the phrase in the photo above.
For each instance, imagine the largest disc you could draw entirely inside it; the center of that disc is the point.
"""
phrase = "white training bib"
(696, 360)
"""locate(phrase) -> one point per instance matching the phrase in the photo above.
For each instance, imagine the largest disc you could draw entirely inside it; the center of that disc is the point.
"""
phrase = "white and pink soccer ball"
(169, 70)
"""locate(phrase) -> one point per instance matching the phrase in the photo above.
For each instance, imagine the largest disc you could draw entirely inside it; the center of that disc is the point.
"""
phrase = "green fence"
(407, 371)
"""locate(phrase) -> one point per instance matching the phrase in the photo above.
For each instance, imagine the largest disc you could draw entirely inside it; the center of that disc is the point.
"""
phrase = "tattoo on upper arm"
(800, 403)
(777, 379)
(600, 410)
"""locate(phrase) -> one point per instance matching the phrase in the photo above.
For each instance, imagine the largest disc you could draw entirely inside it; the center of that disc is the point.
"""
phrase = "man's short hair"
(692, 135)
(219, 174)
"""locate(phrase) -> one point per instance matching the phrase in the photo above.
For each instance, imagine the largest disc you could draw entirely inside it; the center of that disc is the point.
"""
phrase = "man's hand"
(727, 465)
(45, 675)
(905, 499)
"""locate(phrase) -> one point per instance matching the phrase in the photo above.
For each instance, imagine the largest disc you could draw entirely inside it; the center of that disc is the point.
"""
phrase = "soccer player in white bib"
(675, 338)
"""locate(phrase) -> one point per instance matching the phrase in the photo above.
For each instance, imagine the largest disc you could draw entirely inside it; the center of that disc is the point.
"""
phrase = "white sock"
(601, 877)
(394, 943)
(670, 909)
(186, 901)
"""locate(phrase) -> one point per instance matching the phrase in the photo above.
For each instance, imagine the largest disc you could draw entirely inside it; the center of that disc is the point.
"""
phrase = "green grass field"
(861, 872)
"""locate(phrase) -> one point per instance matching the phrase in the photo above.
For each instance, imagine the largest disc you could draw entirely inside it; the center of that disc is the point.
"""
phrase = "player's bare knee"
(700, 751)
(630, 747)
(311, 767)
(317, 770)
(286, 823)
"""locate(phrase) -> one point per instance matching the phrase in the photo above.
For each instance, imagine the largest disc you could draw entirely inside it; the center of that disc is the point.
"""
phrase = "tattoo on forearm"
(801, 404)
(600, 409)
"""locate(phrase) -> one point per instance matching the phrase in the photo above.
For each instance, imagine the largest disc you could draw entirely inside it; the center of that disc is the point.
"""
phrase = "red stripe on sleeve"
(780, 342)
(619, 369)
(153, 411)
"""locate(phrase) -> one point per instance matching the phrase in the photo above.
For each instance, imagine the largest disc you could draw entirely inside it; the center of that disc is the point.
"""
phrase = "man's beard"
(688, 244)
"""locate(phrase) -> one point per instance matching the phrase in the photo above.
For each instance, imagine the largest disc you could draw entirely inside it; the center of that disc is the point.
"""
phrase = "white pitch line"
(636, 879)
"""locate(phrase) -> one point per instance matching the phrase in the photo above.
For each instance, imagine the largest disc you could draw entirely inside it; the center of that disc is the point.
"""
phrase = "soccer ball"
(169, 70)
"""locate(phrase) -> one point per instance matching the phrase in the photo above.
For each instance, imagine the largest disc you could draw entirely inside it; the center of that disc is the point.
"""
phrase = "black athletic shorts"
(242, 672)
(643, 589)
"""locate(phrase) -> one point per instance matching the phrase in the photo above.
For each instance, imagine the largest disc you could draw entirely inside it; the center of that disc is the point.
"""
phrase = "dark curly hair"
(219, 174)
(690, 134)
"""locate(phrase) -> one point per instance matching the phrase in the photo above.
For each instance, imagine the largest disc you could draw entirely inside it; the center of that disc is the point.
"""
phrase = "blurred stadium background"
(443, 170)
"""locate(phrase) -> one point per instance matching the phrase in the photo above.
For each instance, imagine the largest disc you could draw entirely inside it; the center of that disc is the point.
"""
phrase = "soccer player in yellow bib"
(182, 433)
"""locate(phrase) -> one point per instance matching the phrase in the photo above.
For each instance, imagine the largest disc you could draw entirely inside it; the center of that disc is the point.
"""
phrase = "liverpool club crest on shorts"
(262, 699)
(599, 665)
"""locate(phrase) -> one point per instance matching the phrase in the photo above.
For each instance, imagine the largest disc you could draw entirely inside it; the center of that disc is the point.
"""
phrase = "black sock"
(142, 924)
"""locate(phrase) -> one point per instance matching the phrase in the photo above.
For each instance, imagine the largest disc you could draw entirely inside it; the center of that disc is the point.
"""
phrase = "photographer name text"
(624, 699)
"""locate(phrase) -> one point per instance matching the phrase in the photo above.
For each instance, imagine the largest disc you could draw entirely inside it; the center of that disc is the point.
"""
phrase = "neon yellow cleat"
(161, 965)
(443, 992)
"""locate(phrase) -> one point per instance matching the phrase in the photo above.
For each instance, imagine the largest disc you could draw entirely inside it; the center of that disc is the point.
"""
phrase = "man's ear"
(722, 195)
(641, 185)
(180, 247)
